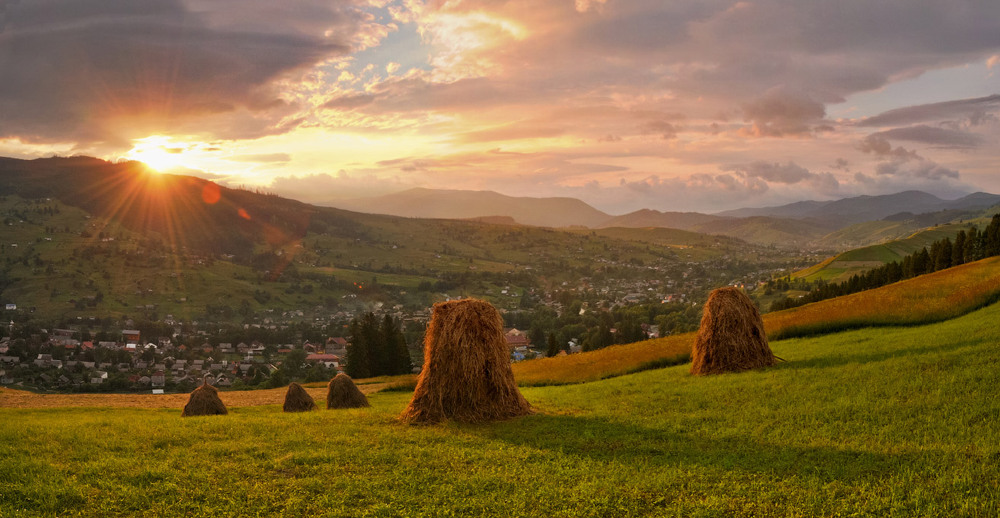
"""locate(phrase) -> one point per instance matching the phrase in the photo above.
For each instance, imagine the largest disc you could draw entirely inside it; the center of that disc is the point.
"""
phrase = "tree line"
(945, 253)
(378, 348)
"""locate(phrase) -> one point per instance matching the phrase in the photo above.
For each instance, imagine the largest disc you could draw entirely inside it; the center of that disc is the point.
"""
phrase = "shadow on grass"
(650, 448)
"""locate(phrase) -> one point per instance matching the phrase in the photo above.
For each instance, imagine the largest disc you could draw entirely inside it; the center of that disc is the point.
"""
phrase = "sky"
(626, 104)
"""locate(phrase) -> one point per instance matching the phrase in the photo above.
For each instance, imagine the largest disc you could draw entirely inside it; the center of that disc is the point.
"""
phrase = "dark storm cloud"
(70, 67)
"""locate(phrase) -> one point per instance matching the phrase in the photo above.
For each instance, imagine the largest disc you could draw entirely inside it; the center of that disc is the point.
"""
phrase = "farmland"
(884, 421)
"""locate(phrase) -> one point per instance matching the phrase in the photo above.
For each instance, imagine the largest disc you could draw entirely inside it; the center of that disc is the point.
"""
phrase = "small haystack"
(731, 337)
(297, 399)
(204, 401)
(466, 374)
(343, 393)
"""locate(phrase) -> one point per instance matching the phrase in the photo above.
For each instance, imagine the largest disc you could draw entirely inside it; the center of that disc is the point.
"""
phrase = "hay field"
(894, 421)
(11, 398)
(929, 298)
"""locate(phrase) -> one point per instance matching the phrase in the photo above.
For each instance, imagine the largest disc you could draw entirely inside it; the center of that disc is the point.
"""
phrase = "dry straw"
(297, 399)
(204, 401)
(731, 337)
(466, 374)
(343, 393)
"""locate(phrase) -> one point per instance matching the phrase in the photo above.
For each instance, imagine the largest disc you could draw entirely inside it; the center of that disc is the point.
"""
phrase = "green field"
(840, 268)
(874, 422)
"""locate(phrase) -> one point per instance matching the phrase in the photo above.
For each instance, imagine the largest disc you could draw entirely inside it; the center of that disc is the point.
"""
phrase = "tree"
(358, 365)
(958, 250)
(553, 344)
(395, 347)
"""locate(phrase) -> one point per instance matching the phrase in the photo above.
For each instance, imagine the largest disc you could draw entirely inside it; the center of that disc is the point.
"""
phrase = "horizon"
(623, 105)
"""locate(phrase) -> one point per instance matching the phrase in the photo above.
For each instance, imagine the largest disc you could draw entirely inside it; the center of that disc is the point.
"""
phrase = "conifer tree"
(553, 346)
(358, 365)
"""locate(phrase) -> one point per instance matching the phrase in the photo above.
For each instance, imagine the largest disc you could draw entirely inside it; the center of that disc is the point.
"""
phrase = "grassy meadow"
(897, 421)
(929, 298)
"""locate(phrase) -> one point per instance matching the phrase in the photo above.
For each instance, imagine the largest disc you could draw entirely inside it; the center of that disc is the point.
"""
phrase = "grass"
(925, 299)
(873, 422)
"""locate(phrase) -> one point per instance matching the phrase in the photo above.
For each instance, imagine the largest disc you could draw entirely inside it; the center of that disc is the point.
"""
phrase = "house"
(144, 380)
(226, 348)
(87, 346)
(10, 360)
(89, 365)
(328, 360)
(43, 360)
(158, 379)
(516, 338)
(107, 344)
(215, 367)
(242, 348)
(223, 381)
(131, 337)
(100, 374)
(207, 348)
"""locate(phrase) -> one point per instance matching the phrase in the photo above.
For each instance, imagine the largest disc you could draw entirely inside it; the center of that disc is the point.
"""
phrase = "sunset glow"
(157, 153)
(624, 104)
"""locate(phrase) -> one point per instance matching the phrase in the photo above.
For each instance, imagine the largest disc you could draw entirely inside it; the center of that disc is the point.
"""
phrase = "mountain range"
(794, 224)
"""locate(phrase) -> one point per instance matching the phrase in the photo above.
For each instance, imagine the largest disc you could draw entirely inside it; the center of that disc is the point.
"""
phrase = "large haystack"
(343, 393)
(731, 337)
(204, 401)
(297, 399)
(466, 374)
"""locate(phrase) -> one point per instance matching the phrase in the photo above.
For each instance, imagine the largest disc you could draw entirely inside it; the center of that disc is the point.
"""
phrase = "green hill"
(86, 238)
(842, 266)
(873, 422)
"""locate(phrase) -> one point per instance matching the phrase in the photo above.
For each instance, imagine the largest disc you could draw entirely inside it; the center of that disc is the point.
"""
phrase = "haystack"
(343, 393)
(297, 399)
(466, 374)
(731, 336)
(204, 401)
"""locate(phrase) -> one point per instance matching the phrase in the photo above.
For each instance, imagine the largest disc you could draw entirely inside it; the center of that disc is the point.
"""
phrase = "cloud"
(107, 71)
(949, 110)
(269, 157)
(779, 113)
(788, 173)
(931, 135)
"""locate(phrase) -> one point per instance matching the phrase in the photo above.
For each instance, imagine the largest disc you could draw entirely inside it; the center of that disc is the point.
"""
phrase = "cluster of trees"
(378, 348)
(945, 253)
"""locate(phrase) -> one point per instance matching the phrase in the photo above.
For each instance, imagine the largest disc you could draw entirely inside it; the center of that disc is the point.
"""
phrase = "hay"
(297, 399)
(731, 337)
(343, 393)
(466, 374)
(204, 401)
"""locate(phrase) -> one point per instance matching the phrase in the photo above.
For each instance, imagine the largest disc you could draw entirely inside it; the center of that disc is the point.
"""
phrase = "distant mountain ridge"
(858, 209)
(456, 204)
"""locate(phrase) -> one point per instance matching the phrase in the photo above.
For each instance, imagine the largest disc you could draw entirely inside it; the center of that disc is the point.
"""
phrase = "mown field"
(898, 421)
(929, 298)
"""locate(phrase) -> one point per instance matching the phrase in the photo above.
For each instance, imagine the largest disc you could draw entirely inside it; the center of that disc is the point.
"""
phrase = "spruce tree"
(553, 346)
(958, 250)
(358, 365)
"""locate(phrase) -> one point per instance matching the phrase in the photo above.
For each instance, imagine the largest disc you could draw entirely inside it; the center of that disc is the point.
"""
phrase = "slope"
(842, 266)
(873, 422)
(456, 204)
(929, 298)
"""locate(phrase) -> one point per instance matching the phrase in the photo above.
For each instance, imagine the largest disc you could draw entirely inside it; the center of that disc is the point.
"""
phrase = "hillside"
(86, 238)
(654, 218)
(858, 209)
(887, 422)
(842, 266)
(454, 204)
(929, 298)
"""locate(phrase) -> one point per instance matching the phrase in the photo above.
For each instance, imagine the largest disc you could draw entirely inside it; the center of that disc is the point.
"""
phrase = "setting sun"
(157, 152)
